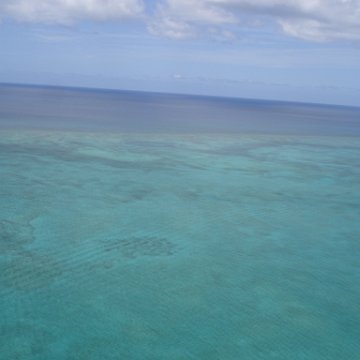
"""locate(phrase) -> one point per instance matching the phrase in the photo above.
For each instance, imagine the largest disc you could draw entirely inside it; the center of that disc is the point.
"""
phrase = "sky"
(296, 50)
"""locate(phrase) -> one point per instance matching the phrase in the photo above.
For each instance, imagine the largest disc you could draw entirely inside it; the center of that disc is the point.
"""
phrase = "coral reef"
(134, 247)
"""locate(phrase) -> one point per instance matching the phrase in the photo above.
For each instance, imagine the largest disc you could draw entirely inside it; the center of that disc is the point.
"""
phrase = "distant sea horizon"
(185, 94)
(92, 109)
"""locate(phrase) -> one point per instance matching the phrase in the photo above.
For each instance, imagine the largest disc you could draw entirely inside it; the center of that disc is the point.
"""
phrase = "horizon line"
(181, 94)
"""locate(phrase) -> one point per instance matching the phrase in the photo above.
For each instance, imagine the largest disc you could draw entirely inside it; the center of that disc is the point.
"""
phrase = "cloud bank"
(70, 11)
(314, 20)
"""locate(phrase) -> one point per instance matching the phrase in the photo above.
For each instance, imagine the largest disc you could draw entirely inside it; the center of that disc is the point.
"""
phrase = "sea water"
(152, 226)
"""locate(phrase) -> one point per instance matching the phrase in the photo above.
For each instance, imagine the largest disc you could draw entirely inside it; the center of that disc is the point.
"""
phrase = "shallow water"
(178, 246)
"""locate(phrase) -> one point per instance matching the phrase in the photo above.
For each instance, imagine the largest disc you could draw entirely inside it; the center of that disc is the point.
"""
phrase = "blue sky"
(297, 50)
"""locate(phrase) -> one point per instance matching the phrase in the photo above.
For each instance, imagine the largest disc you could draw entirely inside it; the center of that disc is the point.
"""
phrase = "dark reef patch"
(134, 247)
(14, 235)
(28, 271)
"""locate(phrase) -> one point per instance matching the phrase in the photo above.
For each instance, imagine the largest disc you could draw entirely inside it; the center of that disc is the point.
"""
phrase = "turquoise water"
(178, 245)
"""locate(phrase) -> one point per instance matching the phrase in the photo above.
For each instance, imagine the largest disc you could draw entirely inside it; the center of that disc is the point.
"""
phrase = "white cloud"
(171, 28)
(68, 11)
(197, 11)
(185, 18)
(317, 20)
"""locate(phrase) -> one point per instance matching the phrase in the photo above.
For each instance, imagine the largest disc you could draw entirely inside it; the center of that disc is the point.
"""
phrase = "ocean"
(155, 226)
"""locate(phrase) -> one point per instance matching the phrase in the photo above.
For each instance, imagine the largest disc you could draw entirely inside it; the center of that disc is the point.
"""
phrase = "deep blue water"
(129, 111)
(153, 226)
